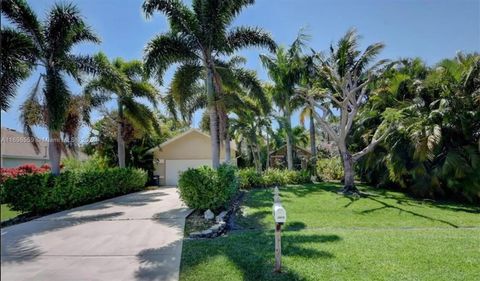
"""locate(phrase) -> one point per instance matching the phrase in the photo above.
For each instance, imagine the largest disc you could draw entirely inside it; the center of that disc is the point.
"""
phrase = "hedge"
(250, 178)
(43, 193)
(330, 168)
(205, 188)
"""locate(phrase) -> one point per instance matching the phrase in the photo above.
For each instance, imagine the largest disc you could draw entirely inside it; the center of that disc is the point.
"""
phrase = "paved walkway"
(132, 237)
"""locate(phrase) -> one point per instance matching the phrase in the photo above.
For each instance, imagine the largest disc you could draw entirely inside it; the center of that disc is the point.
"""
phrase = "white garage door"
(174, 167)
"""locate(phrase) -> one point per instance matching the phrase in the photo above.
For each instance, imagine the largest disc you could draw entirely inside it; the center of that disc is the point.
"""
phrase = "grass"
(386, 236)
(6, 213)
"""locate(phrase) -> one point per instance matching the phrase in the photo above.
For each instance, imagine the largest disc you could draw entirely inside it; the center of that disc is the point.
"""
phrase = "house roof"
(15, 144)
(177, 137)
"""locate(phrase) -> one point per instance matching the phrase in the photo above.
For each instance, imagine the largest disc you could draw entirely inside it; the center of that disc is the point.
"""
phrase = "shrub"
(42, 193)
(273, 177)
(25, 169)
(205, 188)
(249, 178)
(93, 163)
(330, 168)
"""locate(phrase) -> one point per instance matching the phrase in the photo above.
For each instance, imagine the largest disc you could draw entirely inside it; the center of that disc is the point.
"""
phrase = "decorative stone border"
(216, 229)
(221, 220)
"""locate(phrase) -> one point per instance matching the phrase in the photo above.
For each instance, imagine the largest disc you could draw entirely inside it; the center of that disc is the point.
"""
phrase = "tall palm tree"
(187, 96)
(285, 69)
(307, 112)
(246, 126)
(198, 36)
(126, 81)
(18, 55)
(308, 82)
(53, 40)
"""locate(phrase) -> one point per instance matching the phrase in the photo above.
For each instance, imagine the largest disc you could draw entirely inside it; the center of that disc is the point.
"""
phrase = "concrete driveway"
(132, 237)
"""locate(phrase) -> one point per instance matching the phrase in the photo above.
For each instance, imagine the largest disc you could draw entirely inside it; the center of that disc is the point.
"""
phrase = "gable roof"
(182, 135)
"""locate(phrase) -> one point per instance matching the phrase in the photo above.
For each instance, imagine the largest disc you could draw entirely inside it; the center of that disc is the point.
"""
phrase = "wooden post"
(278, 247)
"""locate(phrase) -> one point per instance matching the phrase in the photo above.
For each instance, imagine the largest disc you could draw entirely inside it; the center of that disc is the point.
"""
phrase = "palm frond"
(145, 90)
(180, 17)
(141, 115)
(243, 37)
(20, 13)
(18, 55)
(166, 49)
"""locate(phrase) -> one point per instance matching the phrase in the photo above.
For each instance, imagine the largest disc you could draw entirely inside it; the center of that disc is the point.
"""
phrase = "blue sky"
(429, 29)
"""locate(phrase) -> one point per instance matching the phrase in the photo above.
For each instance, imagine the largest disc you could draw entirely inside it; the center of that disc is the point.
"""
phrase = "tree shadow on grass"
(385, 205)
(307, 189)
(252, 252)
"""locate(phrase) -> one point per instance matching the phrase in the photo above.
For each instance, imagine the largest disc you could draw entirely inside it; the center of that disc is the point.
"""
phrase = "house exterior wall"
(12, 162)
(192, 146)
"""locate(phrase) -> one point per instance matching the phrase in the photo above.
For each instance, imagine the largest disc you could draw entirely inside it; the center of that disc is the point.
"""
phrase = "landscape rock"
(221, 216)
(195, 234)
(215, 227)
(207, 233)
(209, 215)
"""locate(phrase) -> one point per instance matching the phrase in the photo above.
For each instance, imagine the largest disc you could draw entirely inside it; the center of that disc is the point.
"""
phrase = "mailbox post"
(280, 217)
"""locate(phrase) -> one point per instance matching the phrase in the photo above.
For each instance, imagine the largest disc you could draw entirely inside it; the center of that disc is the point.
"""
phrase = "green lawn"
(386, 236)
(6, 213)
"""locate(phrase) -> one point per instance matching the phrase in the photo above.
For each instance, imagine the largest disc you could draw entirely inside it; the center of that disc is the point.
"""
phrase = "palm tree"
(307, 112)
(198, 37)
(285, 69)
(53, 41)
(126, 81)
(18, 58)
(247, 128)
(237, 83)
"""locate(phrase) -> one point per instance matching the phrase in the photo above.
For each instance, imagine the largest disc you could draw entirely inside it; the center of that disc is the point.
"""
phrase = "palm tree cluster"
(434, 149)
(199, 38)
(398, 123)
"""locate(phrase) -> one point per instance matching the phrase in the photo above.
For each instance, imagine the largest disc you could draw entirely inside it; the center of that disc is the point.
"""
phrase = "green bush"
(95, 162)
(330, 168)
(249, 178)
(2, 194)
(205, 188)
(42, 193)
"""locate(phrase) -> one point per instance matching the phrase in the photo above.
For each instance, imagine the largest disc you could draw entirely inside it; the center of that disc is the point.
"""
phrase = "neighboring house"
(301, 157)
(17, 149)
(188, 150)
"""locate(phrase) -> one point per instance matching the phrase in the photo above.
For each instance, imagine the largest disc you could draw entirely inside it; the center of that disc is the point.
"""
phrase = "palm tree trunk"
(54, 152)
(313, 146)
(256, 160)
(120, 140)
(267, 165)
(288, 127)
(213, 119)
(228, 152)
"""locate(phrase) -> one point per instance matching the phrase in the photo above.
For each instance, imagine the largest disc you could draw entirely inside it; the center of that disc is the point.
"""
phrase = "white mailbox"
(279, 213)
